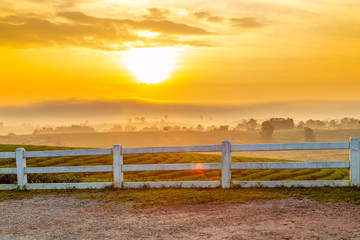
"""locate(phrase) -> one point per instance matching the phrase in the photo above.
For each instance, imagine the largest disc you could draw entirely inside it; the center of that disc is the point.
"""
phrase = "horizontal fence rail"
(118, 167)
(289, 165)
(76, 169)
(182, 184)
(43, 186)
(290, 146)
(7, 155)
(171, 167)
(8, 170)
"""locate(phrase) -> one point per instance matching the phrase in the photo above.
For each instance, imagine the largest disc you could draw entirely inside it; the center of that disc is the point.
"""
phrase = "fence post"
(117, 165)
(20, 168)
(354, 162)
(226, 164)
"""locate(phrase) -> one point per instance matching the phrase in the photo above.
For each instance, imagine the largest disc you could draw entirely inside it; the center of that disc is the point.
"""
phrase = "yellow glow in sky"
(151, 65)
(237, 52)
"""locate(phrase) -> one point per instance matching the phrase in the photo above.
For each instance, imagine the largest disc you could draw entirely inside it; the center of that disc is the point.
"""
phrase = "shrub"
(266, 130)
(309, 134)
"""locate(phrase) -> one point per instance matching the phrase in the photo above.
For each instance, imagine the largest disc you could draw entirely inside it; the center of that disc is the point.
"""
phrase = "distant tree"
(266, 130)
(300, 124)
(199, 128)
(211, 128)
(140, 119)
(241, 126)
(65, 129)
(177, 128)
(309, 134)
(116, 128)
(86, 123)
(251, 124)
(282, 123)
(150, 129)
(333, 123)
(224, 128)
(130, 128)
(349, 122)
(315, 123)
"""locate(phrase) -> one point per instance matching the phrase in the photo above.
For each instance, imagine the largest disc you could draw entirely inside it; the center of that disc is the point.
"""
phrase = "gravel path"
(68, 218)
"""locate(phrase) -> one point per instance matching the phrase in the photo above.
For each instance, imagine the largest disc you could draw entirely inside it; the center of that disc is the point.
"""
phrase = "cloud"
(30, 31)
(82, 30)
(207, 16)
(156, 13)
(59, 4)
(161, 26)
(245, 22)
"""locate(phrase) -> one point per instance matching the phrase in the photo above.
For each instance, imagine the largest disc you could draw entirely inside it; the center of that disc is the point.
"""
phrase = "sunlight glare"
(151, 65)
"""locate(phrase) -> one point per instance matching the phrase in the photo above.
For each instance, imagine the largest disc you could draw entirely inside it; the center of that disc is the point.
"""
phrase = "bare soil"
(57, 217)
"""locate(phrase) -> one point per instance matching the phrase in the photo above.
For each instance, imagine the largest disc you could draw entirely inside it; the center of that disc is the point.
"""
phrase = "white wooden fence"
(225, 166)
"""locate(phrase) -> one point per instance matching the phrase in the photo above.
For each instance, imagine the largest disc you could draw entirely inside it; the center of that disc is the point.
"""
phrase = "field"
(165, 158)
(178, 138)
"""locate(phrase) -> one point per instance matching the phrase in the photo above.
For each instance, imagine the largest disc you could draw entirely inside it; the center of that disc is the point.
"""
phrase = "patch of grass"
(53, 178)
(145, 198)
(326, 194)
(337, 175)
(174, 196)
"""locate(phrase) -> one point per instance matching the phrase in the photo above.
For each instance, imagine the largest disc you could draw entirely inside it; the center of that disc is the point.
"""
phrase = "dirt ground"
(68, 218)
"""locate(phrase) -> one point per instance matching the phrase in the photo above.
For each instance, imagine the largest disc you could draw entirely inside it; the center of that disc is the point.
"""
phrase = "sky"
(214, 57)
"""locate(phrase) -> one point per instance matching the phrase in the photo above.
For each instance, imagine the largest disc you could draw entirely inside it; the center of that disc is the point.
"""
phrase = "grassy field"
(178, 138)
(144, 198)
(148, 198)
(194, 175)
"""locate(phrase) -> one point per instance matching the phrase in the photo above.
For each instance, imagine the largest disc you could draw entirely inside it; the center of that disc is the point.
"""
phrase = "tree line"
(265, 128)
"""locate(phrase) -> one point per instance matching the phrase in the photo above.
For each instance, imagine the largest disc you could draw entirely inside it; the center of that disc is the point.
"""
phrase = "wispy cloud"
(82, 30)
(240, 22)
(156, 13)
(245, 22)
(207, 17)
(161, 26)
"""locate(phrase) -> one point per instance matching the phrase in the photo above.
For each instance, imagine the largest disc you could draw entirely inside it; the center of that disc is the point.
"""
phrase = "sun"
(151, 65)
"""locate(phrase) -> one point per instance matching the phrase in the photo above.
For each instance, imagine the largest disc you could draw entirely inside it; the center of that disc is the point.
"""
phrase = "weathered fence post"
(20, 168)
(226, 164)
(117, 165)
(354, 162)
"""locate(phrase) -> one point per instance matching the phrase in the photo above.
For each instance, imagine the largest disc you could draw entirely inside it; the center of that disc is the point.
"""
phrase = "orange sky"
(227, 52)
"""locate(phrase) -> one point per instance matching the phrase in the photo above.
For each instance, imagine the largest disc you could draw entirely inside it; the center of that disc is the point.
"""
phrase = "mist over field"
(164, 131)
(74, 111)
